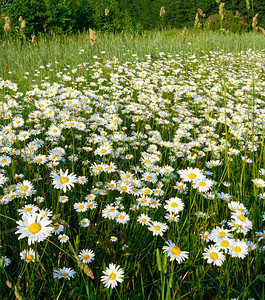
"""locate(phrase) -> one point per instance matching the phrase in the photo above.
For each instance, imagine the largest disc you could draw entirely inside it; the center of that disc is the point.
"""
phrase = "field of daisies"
(140, 179)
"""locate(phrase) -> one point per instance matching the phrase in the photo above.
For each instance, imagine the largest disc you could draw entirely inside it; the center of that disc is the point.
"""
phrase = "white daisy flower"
(66, 273)
(174, 252)
(86, 256)
(63, 180)
(113, 275)
(214, 255)
(34, 227)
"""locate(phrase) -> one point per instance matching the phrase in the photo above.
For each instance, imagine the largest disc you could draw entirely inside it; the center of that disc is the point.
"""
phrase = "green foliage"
(72, 16)
(230, 22)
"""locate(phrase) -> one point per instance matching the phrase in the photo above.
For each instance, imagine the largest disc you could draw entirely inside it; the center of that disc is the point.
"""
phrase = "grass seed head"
(255, 22)
(92, 37)
(162, 11)
(7, 26)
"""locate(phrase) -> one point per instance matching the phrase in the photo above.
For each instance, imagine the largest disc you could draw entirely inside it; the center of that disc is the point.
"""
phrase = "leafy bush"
(231, 22)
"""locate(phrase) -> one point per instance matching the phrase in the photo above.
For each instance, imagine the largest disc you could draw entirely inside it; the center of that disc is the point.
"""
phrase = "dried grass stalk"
(106, 12)
(7, 26)
(262, 30)
(183, 33)
(92, 37)
(162, 11)
(221, 10)
(201, 13)
(255, 22)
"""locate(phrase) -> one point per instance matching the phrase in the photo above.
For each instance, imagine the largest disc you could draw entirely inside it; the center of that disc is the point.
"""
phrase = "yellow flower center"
(263, 235)
(34, 228)
(99, 168)
(214, 255)
(39, 159)
(222, 234)
(174, 204)
(86, 256)
(54, 130)
(112, 210)
(64, 274)
(259, 185)
(202, 184)
(4, 160)
(149, 177)
(28, 209)
(147, 191)
(124, 188)
(29, 257)
(192, 176)
(24, 188)
(241, 218)
(103, 151)
(224, 243)
(80, 206)
(175, 250)
(157, 228)
(63, 180)
(127, 176)
(121, 217)
(112, 276)
(237, 249)
(144, 220)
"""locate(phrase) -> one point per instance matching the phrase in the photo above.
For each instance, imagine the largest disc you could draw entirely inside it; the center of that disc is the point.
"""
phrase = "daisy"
(214, 255)
(5, 160)
(82, 180)
(63, 238)
(205, 236)
(84, 222)
(191, 174)
(240, 249)
(63, 199)
(113, 239)
(158, 228)
(104, 150)
(57, 228)
(86, 256)
(225, 244)
(25, 189)
(113, 275)
(5, 261)
(242, 220)
(219, 233)
(34, 227)
(63, 180)
(171, 217)
(261, 235)
(29, 255)
(66, 273)
(259, 182)
(143, 219)
(174, 252)
(174, 205)
(122, 218)
(203, 185)
(80, 206)
(28, 209)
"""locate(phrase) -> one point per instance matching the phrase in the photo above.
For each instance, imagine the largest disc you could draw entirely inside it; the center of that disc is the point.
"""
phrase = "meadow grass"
(146, 151)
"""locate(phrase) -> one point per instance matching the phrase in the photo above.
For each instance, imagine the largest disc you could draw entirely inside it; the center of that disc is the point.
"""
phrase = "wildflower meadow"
(134, 171)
